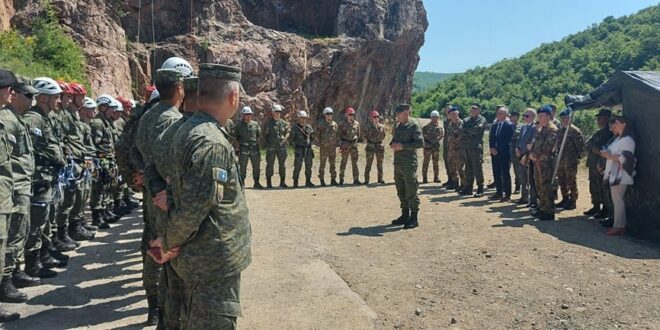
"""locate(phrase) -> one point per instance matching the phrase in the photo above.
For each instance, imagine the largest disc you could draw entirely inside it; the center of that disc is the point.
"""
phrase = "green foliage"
(424, 80)
(48, 51)
(575, 65)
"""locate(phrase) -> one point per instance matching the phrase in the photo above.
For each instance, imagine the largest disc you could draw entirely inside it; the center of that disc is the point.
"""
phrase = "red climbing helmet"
(126, 103)
(66, 88)
(375, 114)
(77, 89)
(350, 111)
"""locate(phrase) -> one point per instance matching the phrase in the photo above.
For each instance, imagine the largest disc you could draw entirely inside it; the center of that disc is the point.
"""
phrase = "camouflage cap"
(24, 86)
(168, 76)
(604, 112)
(7, 78)
(402, 107)
(190, 84)
(219, 71)
(565, 113)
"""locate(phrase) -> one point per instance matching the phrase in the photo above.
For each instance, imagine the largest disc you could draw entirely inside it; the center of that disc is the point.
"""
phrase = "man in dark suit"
(500, 150)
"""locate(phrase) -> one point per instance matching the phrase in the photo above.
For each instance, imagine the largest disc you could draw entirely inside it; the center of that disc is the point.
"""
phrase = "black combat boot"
(48, 261)
(356, 182)
(154, 311)
(562, 203)
(110, 217)
(436, 179)
(465, 191)
(425, 179)
(97, 220)
(120, 208)
(63, 235)
(403, 219)
(131, 202)
(269, 183)
(592, 211)
(61, 257)
(295, 182)
(257, 184)
(446, 184)
(334, 182)
(9, 294)
(603, 214)
(517, 189)
(366, 180)
(380, 180)
(23, 280)
(570, 204)
(412, 221)
(322, 182)
(79, 233)
(6, 316)
(480, 191)
(60, 245)
(308, 182)
(283, 181)
(545, 216)
(341, 181)
(34, 268)
(450, 185)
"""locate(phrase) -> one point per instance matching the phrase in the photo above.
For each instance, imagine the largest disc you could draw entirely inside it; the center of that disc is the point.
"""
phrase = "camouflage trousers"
(171, 293)
(346, 151)
(39, 231)
(567, 175)
(456, 162)
(445, 160)
(150, 269)
(281, 155)
(543, 177)
(251, 154)
(405, 180)
(212, 304)
(377, 151)
(595, 185)
(303, 155)
(474, 159)
(328, 153)
(17, 231)
(4, 222)
(431, 154)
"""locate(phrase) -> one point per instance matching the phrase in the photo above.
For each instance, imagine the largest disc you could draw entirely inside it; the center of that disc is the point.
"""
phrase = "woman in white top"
(620, 170)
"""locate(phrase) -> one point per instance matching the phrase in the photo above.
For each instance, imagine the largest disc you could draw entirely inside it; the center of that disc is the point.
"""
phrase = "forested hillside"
(574, 65)
(425, 80)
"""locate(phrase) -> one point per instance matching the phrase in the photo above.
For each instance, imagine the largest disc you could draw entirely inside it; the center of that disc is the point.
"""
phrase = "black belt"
(371, 142)
(349, 141)
(249, 144)
(304, 146)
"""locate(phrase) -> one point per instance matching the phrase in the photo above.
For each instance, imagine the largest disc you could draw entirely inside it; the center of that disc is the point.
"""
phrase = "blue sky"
(463, 34)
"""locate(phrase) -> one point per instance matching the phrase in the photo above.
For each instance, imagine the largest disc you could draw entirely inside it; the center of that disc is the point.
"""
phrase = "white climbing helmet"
(117, 106)
(277, 108)
(89, 103)
(327, 110)
(246, 111)
(105, 99)
(435, 114)
(178, 64)
(154, 95)
(46, 86)
(302, 114)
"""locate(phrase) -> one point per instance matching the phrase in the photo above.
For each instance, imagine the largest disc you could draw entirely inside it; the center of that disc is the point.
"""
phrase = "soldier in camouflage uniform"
(208, 235)
(86, 114)
(327, 141)
(594, 145)
(7, 206)
(302, 136)
(514, 117)
(406, 139)
(568, 164)
(472, 137)
(433, 135)
(445, 144)
(49, 159)
(248, 133)
(374, 134)
(454, 153)
(22, 159)
(542, 154)
(348, 134)
(276, 134)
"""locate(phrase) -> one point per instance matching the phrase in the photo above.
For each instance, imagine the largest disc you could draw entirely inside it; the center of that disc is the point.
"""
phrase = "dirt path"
(325, 258)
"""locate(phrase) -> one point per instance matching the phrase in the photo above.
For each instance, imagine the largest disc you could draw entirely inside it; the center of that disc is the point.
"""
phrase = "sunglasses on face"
(526, 116)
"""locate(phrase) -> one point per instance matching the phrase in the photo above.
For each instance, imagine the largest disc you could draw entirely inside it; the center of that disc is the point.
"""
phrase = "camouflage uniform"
(514, 160)
(445, 147)
(374, 135)
(472, 137)
(433, 134)
(348, 134)
(455, 156)
(22, 162)
(410, 136)
(276, 134)
(49, 160)
(7, 206)
(594, 146)
(301, 138)
(568, 164)
(104, 137)
(543, 148)
(327, 141)
(247, 136)
(85, 189)
(209, 223)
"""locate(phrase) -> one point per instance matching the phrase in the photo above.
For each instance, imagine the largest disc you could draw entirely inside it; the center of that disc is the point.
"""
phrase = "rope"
(135, 79)
(153, 39)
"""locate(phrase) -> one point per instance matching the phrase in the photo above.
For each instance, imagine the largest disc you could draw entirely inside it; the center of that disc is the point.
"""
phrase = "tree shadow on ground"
(374, 231)
(578, 230)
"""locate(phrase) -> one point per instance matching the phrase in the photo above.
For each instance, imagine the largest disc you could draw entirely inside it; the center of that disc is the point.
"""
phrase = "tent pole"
(563, 144)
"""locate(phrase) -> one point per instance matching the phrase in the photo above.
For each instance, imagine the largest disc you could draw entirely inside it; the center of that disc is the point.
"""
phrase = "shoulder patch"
(36, 131)
(11, 138)
(220, 175)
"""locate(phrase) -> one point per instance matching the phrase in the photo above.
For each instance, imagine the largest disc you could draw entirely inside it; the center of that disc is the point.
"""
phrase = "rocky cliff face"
(303, 54)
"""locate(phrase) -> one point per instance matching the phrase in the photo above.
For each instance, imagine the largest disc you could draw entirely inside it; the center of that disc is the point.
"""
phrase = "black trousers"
(502, 173)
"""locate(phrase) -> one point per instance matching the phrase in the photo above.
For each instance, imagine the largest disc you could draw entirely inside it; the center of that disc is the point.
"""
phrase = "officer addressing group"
(406, 139)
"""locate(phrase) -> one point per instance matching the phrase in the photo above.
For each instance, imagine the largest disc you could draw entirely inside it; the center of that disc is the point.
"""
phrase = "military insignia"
(220, 175)
(11, 138)
(37, 132)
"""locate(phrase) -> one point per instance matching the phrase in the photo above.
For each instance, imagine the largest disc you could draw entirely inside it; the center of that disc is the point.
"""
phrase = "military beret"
(190, 84)
(453, 109)
(402, 107)
(168, 76)
(545, 109)
(604, 113)
(24, 86)
(565, 113)
(514, 114)
(219, 71)
(7, 78)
